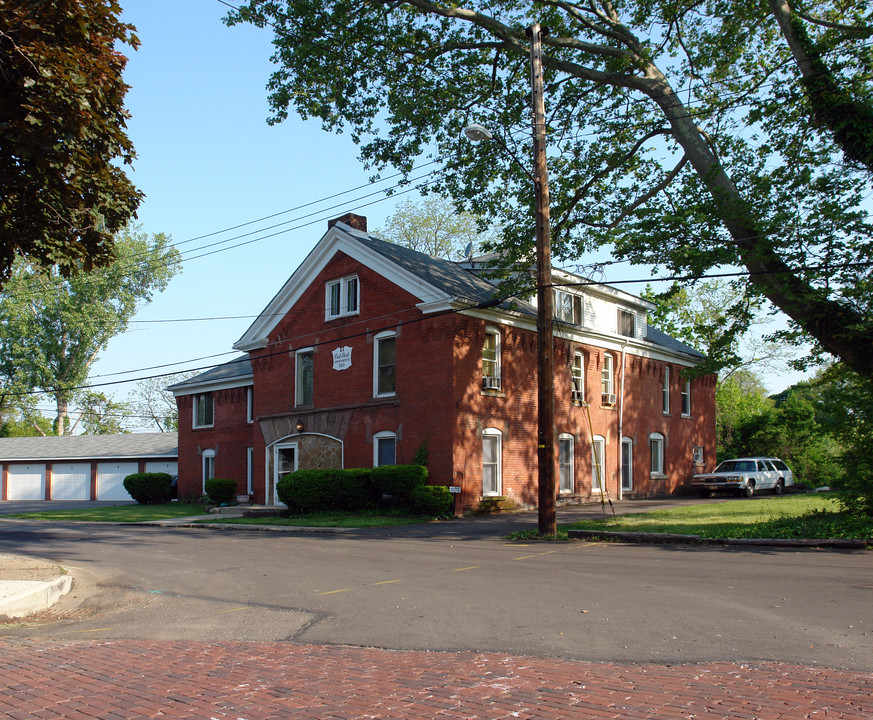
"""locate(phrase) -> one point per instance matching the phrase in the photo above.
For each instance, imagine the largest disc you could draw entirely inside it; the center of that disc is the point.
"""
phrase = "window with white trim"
(207, 459)
(627, 323)
(598, 463)
(568, 307)
(686, 398)
(656, 449)
(385, 365)
(341, 297)
(492, 449)
(491, 360)
(250, 404)
(384, 448)
(607, 382)
(566, 472)
(665, 391)
(303, 376)
(250, 470)
(697, 455)
(577, 374)
(204, 410)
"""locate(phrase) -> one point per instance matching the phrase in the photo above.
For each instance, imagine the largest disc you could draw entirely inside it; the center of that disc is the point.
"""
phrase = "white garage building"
(81, 467)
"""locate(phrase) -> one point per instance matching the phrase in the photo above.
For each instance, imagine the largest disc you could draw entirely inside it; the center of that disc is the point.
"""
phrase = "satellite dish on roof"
(468, 251)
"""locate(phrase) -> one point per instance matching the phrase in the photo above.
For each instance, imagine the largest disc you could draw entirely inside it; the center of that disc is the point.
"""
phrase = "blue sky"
(208, 161)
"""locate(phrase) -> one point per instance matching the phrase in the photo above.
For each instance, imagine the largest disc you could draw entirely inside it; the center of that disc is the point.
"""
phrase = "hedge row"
(307, 491)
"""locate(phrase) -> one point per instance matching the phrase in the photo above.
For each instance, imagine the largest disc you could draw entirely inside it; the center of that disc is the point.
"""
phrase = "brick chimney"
(356, 222)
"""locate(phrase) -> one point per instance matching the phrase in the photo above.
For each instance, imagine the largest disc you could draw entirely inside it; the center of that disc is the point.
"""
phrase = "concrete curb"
(664, 538)
(19, 598)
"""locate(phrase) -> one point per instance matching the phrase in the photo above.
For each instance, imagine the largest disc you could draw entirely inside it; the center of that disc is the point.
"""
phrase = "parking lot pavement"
(261, 681)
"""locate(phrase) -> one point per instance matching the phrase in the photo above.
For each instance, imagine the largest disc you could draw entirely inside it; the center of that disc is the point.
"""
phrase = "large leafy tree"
(53, 328)
(433, 226)
(684, 134)
(62, 132)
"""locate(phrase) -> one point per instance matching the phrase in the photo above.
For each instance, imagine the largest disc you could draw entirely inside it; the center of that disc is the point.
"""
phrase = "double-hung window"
(491, 360)
(492, 440)
(568, 307)
(627, 323)
(607, 385)
(385, 365)
(342, 297)
(203, 410)
(384, 449)
(577, 372)
(566, 476)
(304, 377)
(686, 398)
(665, 391)
(656, 447)
(598, 463)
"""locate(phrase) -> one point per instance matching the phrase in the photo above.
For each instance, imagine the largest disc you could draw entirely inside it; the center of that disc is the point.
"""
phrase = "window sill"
(657, 476)
(203, 427)
(686, 416)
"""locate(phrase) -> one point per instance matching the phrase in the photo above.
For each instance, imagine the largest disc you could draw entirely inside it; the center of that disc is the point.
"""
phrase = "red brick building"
(371, 352)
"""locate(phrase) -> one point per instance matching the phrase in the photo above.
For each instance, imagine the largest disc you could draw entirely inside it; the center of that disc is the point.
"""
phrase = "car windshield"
(737, 466)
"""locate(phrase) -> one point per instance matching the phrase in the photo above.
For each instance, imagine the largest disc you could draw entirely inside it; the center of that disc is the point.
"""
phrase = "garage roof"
(90, 447)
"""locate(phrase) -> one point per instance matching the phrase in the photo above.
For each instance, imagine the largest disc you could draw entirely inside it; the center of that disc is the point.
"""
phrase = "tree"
(739, 399)
(434, 227)
(101, 415)
(62, 131)
(53, 328)
(681, 133)
(152, 404)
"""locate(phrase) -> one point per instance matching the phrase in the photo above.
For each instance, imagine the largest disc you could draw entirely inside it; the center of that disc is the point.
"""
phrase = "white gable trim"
(339, 238)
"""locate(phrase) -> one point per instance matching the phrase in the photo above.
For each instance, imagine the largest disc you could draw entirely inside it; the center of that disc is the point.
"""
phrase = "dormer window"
(627, 323)
(341, 297)
(568, 307)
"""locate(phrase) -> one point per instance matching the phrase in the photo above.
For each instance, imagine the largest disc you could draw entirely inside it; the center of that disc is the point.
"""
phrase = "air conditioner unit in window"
(607, 398)
(578, 396)
(490, 383)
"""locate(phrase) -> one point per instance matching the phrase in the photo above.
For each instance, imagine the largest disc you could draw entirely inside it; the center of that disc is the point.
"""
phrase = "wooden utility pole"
(545, 304)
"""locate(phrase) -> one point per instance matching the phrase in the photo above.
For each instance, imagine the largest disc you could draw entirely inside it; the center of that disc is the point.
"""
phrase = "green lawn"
(118, 513)
(791, 516)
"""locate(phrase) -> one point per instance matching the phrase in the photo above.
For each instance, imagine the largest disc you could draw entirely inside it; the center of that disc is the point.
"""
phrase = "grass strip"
(131, 512)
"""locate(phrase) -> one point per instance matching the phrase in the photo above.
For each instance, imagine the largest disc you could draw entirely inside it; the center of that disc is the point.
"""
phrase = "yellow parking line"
(386, 582)
(472, 567)
(525, 557)
(331, 592)
(222, 612)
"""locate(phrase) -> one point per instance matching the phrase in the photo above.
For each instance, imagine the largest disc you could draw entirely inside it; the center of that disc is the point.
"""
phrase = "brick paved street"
(257, 681)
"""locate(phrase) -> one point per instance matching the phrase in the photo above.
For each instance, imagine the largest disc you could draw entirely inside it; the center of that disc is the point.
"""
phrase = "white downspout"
(621, 423)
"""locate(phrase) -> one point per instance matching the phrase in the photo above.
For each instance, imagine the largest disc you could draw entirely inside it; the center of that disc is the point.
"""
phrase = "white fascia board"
(602, 289)
(339, 238)
(215, 386)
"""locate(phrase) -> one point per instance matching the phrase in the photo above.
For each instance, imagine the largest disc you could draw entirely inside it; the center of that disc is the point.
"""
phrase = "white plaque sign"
(342, 358)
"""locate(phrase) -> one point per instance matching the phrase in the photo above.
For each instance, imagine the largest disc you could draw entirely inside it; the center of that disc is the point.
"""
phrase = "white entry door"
(284, 462)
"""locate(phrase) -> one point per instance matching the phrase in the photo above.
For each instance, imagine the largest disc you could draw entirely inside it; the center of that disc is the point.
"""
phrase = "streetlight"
(545, 312)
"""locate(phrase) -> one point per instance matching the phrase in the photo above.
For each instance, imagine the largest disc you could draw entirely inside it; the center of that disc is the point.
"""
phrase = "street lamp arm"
(479, 133)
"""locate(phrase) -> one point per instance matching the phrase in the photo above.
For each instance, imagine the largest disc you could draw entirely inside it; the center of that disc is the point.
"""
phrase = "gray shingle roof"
(240, 368)
(654, 335)
(90, 447)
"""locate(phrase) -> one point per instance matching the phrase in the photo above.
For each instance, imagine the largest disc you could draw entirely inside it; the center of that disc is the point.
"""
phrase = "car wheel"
(750, 489)
(780, 487)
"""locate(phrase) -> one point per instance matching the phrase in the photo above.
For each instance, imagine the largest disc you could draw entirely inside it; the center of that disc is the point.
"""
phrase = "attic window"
(627, 322)
(341, 297)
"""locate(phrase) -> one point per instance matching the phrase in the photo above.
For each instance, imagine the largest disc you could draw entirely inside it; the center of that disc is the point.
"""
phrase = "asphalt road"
(456, 586)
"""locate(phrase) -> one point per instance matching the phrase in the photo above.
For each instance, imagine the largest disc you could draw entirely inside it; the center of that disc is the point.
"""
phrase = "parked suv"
(745, 476)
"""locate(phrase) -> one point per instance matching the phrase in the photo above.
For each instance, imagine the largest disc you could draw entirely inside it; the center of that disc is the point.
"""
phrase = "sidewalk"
(29, 585)
(264, 681)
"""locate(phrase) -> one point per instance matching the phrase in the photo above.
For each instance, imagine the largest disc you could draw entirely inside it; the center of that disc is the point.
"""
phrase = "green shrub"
(221, 490)
(398, 480)
(149, 488)
(318, 490)
(431, 500)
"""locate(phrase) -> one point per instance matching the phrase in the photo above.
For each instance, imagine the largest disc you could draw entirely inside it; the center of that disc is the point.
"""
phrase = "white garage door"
(171, 468)
(25, 482)
(71, 481)
(110, 480)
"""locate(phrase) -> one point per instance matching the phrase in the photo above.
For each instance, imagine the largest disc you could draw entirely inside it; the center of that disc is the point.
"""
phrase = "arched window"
(607, 380)
(566, 470)
(656, 448)
(384, 448)
(492, 450)
(577, 374)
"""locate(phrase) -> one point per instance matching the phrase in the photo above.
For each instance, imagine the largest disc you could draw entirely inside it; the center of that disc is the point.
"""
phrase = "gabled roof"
(234, 373)
(90, 447)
